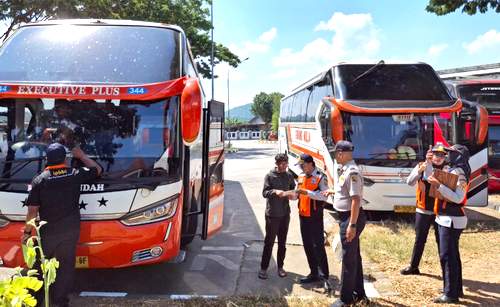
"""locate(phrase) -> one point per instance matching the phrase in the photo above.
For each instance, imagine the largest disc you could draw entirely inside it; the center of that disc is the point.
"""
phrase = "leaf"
(29, 255)
(49, 269)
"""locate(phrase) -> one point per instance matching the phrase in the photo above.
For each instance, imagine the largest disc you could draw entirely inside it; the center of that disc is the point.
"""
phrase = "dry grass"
(390, 245)
(236, 301)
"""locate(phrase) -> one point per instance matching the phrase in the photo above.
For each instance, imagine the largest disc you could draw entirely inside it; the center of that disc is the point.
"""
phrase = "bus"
(129, 95)
(392, 113)
(486, 92)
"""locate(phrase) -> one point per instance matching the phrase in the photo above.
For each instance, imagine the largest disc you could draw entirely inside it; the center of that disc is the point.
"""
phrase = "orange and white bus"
(392, 113)
(129, 95)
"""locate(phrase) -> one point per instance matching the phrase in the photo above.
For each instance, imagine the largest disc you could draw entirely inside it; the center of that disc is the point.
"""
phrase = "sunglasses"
(439, 154)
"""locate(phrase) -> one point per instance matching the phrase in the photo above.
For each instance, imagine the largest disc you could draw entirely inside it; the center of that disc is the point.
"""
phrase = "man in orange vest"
(424, 217)
(311, 183)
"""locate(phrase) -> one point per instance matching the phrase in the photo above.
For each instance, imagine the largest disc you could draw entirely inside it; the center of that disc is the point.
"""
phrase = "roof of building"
(257, 120)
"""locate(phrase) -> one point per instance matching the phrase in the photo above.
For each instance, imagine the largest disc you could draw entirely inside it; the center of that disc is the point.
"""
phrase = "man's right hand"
(422, 167)
(428, 155)
(279, 193)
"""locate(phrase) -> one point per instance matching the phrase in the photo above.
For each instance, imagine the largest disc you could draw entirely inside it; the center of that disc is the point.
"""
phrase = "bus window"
(320, 91)
(326, 127)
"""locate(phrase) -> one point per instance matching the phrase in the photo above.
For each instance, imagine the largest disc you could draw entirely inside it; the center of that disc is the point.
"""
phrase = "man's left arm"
(355, 191)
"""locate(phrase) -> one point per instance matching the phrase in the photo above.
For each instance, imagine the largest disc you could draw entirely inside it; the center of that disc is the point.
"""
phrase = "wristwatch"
(352, 225)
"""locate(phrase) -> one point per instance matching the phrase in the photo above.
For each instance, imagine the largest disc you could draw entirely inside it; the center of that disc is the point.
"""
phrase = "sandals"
(281, 273)
(262, 274)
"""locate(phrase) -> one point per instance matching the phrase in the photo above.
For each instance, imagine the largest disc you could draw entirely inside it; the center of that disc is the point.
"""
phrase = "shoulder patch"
(354, 178)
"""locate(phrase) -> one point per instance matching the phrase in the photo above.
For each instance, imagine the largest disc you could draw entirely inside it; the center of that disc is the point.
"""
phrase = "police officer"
(424, 217)
(451, 220)
(54, 195)
(311, 183)
(348, 192)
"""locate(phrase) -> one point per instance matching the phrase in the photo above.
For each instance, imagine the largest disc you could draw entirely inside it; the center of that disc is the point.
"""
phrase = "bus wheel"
(189, 224)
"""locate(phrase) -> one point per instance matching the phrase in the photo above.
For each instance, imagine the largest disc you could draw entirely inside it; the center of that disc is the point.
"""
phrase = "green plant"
(14, 291)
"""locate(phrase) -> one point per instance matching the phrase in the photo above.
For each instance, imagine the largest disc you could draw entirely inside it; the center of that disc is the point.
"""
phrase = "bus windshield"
(388, 82)
(136, 143)
(87, 54)
(494, 145)
(400, 139)
(484, 94)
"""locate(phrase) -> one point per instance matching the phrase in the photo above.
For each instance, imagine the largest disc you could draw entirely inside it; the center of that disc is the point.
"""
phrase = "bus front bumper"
(106, 244)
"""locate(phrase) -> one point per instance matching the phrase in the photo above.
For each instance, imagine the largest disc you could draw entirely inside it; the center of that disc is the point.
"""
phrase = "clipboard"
(448, 179)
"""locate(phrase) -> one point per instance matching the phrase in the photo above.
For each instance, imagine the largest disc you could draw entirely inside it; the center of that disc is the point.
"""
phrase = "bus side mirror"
(337, 125)
(481, 125)
(191, 110)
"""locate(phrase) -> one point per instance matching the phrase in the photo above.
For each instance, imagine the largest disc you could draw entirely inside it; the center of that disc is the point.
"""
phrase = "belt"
(346, 214)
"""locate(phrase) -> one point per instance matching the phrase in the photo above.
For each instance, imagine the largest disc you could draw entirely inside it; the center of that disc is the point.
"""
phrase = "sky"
(288, 42)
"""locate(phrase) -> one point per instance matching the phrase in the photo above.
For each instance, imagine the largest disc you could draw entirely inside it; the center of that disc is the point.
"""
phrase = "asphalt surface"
(228, 263)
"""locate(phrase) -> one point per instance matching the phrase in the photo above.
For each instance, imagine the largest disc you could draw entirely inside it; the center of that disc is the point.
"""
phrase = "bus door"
(471, 129)
(213, 173)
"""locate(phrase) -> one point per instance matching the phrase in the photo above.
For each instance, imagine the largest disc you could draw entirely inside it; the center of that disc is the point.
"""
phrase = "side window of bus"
(320, 91)
(466, 132)
(326, 127)
(299, 106)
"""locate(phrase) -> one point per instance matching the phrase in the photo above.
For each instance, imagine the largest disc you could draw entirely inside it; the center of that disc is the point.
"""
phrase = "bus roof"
(321, 75)
(102, 22)
(473, 81)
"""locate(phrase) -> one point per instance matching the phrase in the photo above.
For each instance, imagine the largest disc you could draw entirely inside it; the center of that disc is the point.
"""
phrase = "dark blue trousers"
(422, 224)
(451, 264)
(313, 239)
(351, 278)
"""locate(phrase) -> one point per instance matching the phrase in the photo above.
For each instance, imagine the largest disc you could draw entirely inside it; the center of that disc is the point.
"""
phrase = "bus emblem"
(4, 88)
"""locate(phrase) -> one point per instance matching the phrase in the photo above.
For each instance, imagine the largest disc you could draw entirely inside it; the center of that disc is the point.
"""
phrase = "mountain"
(242, 113)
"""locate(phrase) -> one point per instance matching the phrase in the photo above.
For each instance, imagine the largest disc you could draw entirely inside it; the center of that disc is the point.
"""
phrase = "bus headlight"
(158, 211)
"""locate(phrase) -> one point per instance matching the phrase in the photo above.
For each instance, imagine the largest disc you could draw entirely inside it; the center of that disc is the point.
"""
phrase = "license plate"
(404, 209)
(82, 262)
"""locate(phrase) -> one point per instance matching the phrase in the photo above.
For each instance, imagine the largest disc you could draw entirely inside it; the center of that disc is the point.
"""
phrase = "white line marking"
(103, 294)
(370, 290)
(222, 248)
(189, 296)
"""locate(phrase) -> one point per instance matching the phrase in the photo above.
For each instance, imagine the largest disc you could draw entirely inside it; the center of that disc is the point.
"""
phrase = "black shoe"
(361, 299)
(410, 271)
(309, 278)
(327, 286)
(339, 303)
(443, 299)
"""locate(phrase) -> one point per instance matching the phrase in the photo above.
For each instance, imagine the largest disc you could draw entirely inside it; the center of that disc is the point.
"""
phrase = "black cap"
(305, 158)
(343, 146)
(56, 154)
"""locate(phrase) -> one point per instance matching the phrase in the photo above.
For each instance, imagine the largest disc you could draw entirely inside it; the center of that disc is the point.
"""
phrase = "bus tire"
(189, 224)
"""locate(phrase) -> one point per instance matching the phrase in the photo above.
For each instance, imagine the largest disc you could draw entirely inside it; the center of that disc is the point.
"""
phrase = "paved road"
(228, 263)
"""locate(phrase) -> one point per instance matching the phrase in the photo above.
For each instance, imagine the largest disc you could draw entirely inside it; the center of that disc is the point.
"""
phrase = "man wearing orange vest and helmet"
(424, 217)
(311, 183)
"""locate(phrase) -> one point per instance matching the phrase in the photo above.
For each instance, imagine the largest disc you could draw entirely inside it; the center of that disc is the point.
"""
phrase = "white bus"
(392, 113)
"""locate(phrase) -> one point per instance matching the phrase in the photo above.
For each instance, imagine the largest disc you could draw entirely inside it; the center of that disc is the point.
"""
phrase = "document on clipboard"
(448, 179)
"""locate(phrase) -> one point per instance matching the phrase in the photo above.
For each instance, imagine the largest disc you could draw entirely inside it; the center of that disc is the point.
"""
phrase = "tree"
(276, 110)
(263, 106)
(443, 7)
(191, 15)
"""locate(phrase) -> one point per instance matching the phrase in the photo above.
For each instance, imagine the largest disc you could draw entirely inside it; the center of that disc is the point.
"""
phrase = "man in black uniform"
(54, 195)
(276, 184)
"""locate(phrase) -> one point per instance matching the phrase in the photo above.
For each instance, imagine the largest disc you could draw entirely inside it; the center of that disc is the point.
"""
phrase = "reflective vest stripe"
(311, 184)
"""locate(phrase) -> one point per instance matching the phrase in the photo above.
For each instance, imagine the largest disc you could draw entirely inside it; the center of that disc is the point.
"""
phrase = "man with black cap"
(348, 192)
(54, 195)
(277, 186)
(311, 183)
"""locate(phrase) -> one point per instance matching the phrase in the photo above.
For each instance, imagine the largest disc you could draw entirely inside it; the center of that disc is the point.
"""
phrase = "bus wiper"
(375, 67)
